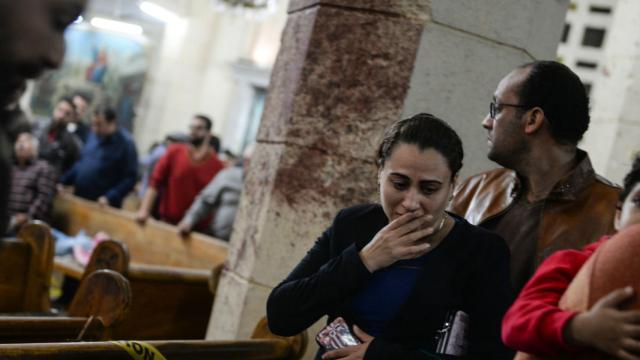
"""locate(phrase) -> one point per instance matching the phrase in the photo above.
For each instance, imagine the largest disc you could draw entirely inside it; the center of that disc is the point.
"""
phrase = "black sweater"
(468, 271)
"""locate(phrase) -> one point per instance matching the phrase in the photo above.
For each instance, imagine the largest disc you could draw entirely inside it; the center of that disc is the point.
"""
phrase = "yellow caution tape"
(140, 350)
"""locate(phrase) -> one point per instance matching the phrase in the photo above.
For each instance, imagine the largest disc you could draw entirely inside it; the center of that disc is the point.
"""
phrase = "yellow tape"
(140, 350)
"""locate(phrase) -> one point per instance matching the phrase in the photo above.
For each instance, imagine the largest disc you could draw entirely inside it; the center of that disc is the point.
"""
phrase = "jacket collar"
(572, 184)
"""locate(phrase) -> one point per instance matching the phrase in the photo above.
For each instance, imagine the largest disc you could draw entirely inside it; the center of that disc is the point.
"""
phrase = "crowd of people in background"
(81, 150)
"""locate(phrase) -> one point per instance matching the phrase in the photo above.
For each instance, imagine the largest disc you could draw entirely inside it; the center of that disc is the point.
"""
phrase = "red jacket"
(534, 324)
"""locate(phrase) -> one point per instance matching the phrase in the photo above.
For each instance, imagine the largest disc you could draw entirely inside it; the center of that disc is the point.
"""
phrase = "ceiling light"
(118, 26)
(158, 12)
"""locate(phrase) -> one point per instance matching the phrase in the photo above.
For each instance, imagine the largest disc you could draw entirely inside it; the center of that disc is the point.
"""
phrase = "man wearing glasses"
(547, 197)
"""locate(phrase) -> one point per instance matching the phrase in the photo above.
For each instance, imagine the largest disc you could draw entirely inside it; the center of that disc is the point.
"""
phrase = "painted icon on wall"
(107, 67)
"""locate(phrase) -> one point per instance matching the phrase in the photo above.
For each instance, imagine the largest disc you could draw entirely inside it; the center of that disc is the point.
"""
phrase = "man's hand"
(352, 352)
(103, 201)
(184, 228)
(63, 190)
(20, 219)
(605, 327)
(142, 216)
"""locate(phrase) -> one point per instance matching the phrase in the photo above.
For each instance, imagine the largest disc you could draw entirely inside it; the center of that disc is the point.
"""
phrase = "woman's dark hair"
(426, 132)
(632, 178)
(560, 93)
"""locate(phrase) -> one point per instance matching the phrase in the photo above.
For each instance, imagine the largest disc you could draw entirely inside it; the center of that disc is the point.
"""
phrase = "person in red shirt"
(536, 325)
(181, 173)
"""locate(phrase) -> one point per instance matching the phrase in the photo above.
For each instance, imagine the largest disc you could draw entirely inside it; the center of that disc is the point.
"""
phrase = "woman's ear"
(454, 182)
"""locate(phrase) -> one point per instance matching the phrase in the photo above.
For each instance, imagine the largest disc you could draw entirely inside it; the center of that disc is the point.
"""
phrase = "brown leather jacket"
(579, 210)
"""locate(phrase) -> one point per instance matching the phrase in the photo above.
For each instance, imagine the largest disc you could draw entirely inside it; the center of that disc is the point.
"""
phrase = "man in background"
(59, 147)
(548, 196)
(181, 173)
(107, 169)
(220, 200)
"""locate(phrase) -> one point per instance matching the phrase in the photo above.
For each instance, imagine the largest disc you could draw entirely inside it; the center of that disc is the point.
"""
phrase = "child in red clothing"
(536, 325)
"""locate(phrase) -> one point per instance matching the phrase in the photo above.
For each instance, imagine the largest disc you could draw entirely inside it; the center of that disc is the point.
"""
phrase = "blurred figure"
(220, 198)
(31, 41)
(15, 119)
(181, 173)
(77, 125)
(33, 184)
(107, 169)
(58, 146)
(148, 162)
(214, 141)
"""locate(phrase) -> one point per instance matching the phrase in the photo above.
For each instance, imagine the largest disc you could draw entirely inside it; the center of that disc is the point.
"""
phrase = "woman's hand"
(397, 241)
(605, 327)
(352, 352)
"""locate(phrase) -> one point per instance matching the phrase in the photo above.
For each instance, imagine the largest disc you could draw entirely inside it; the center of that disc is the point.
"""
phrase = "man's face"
(81, 105)
(24, 147)
(32, 39)
(198, 132)
(101, 127)
(63, 113)
(506, 138)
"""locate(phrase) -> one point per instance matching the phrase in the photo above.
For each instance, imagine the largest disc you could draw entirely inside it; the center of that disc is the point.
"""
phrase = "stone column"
(347, 69)
(340, 78)
(612, 139)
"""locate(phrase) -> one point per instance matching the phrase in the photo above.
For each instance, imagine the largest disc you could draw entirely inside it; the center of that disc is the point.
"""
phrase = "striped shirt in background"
(32, 190)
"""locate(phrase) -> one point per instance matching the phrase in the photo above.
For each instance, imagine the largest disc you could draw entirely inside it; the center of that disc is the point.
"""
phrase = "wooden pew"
(102, 300)
(263, 345)
(170, 276)
(25, 270)
(155, 243)
(168, 302)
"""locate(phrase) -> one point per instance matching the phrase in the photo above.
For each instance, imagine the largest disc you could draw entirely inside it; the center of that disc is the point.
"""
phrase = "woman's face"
(630, 212)
(412, 179)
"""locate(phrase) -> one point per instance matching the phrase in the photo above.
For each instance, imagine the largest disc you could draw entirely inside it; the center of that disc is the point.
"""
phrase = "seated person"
(108, 167)
(536, 325)
(220, 198)
(395, 269)
(33, 184)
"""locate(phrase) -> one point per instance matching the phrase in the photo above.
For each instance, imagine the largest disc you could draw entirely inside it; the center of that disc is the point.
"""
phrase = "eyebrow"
(429, 181)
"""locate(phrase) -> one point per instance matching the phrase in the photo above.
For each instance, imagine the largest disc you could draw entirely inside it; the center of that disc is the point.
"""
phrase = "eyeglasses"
(494, 108)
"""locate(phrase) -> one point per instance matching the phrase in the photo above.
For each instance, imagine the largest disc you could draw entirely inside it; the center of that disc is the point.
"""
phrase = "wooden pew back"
(102, 301)
(25, 270)
(155, 243)
(167, 302)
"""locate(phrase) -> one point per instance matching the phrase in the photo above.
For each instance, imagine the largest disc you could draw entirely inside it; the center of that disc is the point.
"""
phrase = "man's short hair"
(560, 93)
(208, 123)
(106, 112)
